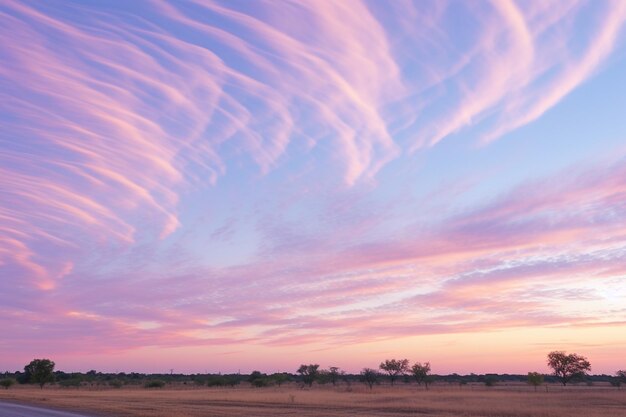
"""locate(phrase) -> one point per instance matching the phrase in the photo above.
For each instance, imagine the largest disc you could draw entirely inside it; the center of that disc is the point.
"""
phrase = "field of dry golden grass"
(327, 401)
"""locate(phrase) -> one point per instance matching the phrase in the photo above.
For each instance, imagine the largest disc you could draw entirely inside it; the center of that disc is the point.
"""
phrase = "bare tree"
(395, 368)
(567, 367)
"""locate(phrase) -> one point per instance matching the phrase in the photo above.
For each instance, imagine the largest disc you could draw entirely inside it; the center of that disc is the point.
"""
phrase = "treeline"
(259, 379)
(256, 378)
(567, 369)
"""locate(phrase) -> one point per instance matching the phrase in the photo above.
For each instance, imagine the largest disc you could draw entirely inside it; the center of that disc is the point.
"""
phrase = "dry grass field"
(326, 401)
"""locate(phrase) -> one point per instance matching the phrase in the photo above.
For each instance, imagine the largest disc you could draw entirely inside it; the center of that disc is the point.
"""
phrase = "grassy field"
(326, 401)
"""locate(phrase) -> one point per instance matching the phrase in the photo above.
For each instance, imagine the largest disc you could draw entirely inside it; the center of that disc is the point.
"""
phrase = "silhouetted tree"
(40, 371)
(369, 376)
(395, 368)
(421, 373)
(567, 367)
(309, 373)
(535, 379)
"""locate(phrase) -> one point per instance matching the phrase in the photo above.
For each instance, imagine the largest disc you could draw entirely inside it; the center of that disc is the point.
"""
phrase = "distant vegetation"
(620, 379)
(369, 377)
(535, 379)
(154, 384)
(6, 382)
(567, 368)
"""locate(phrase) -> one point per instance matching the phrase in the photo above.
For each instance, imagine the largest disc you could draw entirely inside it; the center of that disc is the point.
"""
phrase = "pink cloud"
(116, 121)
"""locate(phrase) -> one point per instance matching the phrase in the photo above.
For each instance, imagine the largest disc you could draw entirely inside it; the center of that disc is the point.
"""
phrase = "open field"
(291, 401)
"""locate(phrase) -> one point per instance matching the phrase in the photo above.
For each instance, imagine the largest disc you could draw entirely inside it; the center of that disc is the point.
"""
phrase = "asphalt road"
(16, 410)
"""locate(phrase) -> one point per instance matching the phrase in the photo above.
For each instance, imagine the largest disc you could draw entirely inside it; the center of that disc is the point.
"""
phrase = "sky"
(228, 186)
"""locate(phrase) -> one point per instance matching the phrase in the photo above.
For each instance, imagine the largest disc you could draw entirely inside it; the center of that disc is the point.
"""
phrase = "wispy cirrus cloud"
(141, 145)
(486, 271)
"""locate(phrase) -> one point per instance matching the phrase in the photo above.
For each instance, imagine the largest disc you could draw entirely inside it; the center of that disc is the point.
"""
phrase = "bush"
(280, 378)
(116, 383)
(260, 382)
(231, 380)
(72, 382)
(6, 383)
(258, 379)
(154, 384)
(490, 381)
(216, 381)
(535, 379)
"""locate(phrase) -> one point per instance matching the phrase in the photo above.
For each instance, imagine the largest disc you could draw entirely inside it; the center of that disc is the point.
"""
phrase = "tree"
(258, 379)
(535, 379)
(323, 377)
(369, 376)
(333, 374)
(309, 373)
(40, 371)
(6, 383)
(567, 367)
(421, 373)
(395, 368)
(621, 378)
(280, 378)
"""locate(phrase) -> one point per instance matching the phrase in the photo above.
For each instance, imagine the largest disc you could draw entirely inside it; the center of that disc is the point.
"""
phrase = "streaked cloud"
(267, 174)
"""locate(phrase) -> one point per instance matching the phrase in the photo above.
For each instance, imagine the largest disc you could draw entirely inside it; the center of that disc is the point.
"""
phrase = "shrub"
(231, 380)
(154, 384)
(261, 382)
(620, 377)
(6, 383)
(490, 381)
(535, 379)
(258, 379)
(116, 383)
(72, 382)
(280, 378)
(216, 381)
(223, 380)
